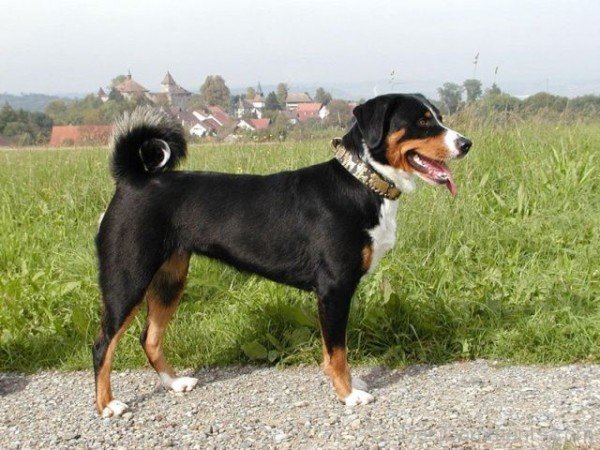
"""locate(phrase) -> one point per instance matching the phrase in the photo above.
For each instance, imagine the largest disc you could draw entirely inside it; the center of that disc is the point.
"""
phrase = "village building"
(258, 101)
(254, 124)
(291, 116)
(251, 106)
(102, 95)
(211, 125)
(171, 93)
(220, 116)
(175, 94)
(201, 115)
(203, 122)
(244, 124)
(196, 123)
(308, 111)
(294, 99)
(245, 108)
(203, 128)
(260, 124)
(323, 112)
(258, 104)
(69, 135)
(187, 119)
(131, 89)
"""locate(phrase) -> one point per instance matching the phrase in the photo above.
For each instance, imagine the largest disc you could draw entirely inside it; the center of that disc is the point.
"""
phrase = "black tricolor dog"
(320, 228)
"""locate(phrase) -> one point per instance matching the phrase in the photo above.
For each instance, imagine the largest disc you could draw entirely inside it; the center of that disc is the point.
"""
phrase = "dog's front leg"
(334, 306)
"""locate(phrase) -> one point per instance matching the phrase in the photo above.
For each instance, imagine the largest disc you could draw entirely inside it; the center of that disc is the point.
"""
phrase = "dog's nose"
(464, 145)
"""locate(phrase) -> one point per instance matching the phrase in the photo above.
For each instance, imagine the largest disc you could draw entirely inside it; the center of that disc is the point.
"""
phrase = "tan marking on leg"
(177, 266)
(159, 316)
(367, 257)
(335, 365)
(103, 388)
(169, 279)
(326, 358)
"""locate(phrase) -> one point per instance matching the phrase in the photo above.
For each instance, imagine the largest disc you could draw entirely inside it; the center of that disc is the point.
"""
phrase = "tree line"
(470, 96)
(24, 127)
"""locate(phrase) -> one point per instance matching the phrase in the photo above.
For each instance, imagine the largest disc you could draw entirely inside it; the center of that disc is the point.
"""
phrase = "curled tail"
(145, 142)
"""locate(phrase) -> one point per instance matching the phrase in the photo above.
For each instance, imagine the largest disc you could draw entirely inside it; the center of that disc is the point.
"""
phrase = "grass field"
(508, 269)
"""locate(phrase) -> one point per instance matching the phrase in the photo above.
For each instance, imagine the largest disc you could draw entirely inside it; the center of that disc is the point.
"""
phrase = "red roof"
(308, 111)
(309, 107)
(80, 135)
(220, 115)
(187, 118)
(211, 124)
(130, 86)
(260, 124)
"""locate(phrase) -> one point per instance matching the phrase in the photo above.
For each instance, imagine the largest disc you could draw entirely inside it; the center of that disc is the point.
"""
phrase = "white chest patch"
(384, 234)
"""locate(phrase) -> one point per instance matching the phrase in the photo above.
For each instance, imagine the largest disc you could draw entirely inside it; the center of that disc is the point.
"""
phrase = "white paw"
(360, 384)
(184, 384)
(114, 409)
(178, 384)
(358, 397)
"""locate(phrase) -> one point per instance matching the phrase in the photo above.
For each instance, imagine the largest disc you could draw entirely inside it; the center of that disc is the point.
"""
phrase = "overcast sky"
(66, 46)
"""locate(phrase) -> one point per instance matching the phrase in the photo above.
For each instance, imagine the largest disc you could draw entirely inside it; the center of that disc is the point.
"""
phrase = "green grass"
(508, 269)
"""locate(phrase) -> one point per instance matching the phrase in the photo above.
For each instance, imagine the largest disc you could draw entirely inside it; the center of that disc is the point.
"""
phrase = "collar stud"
(364, 172)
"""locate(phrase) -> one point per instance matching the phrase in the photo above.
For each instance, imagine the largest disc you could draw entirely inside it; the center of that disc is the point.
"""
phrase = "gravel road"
(463, 405)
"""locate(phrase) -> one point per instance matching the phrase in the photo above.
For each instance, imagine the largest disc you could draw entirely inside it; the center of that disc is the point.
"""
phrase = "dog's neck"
(354, 142)
(365, 172)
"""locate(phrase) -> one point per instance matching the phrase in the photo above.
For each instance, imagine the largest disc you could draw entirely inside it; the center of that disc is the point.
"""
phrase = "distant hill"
(29, 102)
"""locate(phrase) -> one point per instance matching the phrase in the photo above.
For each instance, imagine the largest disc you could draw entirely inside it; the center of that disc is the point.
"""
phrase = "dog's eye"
(423, 122)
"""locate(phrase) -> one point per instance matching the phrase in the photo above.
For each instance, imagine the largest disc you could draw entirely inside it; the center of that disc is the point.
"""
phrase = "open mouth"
(433, 172)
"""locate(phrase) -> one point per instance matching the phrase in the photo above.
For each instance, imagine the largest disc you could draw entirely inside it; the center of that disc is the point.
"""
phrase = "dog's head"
(403, 136)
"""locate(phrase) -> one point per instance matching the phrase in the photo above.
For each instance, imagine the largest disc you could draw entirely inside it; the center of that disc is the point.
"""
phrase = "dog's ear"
(371, 119)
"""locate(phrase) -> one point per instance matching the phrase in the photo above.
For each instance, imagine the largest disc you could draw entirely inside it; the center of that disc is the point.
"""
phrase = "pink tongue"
(451, 187)
(439, 172)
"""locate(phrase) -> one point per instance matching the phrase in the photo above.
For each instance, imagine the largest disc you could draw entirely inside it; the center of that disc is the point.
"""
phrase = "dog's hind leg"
(124, 279)
(163, 297)
(115, 321)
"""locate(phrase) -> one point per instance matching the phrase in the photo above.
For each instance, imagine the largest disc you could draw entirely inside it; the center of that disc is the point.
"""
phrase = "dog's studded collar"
(364, 172)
